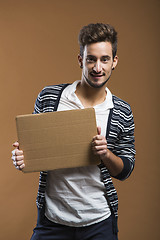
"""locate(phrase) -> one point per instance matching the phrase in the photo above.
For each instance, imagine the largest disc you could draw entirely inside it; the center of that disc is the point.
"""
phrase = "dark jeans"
(48, 230)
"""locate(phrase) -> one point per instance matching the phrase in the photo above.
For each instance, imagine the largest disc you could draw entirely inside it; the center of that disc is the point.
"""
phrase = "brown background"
(38, 47)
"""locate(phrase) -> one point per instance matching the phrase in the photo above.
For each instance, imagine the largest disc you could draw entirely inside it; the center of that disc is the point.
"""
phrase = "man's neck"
(90, 96)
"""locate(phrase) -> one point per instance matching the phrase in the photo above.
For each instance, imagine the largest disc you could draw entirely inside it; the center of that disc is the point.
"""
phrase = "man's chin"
(96, 84)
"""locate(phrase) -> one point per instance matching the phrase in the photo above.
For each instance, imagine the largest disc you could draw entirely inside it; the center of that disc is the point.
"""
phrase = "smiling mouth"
(97, 75)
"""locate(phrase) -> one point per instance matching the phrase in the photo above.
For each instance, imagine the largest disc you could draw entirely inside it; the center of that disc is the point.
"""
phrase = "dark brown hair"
(98, 32)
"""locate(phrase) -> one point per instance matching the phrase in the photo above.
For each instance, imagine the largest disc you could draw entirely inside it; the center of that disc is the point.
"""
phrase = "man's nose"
(97, 67)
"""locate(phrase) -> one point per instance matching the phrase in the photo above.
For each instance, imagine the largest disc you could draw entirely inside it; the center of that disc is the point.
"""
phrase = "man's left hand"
(99, 145)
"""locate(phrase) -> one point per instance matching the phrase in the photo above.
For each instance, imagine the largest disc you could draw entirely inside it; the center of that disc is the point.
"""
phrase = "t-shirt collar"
(107, 104)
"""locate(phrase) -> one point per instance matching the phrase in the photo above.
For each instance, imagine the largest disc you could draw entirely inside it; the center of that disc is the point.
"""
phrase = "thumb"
(16, 144)
(99, 130)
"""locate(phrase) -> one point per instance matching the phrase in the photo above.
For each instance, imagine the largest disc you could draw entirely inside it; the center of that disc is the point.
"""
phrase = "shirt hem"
(77, 224)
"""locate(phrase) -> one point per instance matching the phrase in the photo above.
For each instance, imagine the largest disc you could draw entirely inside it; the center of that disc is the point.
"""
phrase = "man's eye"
(105, 60)
(90, 60)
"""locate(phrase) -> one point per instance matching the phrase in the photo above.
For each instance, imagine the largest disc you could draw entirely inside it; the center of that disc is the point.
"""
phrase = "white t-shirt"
(76, 196)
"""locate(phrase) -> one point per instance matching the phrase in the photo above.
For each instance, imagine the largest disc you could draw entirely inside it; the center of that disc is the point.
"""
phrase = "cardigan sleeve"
(45, 101)
(38, 105)
(124, 146)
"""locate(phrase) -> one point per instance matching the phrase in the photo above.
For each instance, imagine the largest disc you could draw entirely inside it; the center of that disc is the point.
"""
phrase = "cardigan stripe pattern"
(120, 140)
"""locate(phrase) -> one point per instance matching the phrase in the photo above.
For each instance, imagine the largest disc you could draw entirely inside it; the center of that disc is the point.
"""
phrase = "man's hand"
(99, 145)
(18, 157)
(113, 163)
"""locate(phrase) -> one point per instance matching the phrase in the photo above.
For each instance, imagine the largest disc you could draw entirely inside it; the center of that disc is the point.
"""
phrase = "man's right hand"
(18, 157)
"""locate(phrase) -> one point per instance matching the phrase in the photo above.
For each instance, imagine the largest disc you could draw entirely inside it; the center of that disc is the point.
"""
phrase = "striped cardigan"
(120, 140)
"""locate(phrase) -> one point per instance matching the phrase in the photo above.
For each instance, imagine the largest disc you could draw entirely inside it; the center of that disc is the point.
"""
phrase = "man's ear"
(80, 61)
(115, 62)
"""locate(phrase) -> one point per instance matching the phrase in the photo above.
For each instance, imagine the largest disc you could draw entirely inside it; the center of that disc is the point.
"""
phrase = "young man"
(81, 203)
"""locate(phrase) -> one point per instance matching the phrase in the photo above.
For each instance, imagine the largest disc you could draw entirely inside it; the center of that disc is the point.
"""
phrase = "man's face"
(97, 63)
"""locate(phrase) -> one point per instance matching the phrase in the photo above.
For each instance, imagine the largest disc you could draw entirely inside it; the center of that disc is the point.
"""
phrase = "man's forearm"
(113, 163)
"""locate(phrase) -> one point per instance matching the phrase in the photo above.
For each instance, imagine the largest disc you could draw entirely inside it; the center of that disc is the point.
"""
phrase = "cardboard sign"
(57, 139)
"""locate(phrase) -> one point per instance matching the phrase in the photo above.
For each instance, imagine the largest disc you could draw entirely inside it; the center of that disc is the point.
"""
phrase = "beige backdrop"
(38, 47)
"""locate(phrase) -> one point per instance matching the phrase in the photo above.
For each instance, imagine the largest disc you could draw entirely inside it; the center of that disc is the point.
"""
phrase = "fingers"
(18, 157)
(99, 145)
(99, 149)
(19, 164)
(98, 137)
(98, 140)
(18, 152)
